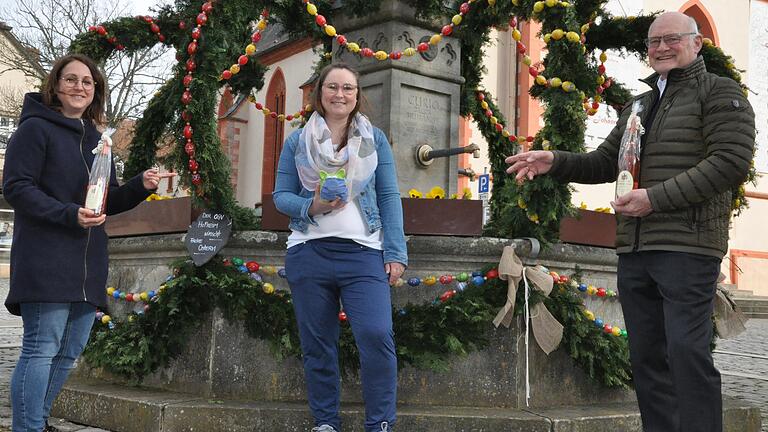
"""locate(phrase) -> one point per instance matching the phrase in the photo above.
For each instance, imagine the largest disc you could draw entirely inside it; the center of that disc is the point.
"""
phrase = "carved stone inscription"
(425, 119)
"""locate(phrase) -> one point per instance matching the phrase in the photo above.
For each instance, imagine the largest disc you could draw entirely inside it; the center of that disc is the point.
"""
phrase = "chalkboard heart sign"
(207, 236)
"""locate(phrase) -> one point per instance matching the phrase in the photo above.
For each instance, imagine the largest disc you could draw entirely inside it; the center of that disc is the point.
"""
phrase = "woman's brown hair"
(95, 111)
(317, 95)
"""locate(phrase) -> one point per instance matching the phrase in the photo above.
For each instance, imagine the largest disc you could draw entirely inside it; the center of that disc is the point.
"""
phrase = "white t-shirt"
(346, 223)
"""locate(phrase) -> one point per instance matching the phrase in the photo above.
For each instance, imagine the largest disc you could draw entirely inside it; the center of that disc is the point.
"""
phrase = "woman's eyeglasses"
(72, 81)
(670, 40)
(347, 89)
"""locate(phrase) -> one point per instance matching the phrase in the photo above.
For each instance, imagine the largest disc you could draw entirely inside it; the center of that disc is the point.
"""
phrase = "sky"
(135, 6)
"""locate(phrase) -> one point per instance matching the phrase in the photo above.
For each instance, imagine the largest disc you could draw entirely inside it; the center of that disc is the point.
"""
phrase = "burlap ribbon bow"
(547, 331)
(730, 321)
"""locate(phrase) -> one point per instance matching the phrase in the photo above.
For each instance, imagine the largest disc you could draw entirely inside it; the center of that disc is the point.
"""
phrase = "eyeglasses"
(71, 82)
(670, 40)
(347, 89)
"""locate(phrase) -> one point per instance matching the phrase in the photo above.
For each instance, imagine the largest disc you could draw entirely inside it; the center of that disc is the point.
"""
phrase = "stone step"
(131, 409)
(753, 307)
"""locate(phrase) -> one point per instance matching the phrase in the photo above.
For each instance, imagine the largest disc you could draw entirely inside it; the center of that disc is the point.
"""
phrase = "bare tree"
(11, 99)
(49, 26)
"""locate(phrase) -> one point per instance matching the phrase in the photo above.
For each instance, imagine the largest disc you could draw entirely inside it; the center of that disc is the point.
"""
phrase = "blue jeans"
(55, 335)
(320, 273)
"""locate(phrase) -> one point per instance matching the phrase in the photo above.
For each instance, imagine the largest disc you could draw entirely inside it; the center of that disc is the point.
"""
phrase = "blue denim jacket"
(379, 201)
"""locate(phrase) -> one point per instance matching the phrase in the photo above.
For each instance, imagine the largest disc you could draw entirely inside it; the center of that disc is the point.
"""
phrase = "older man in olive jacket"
(673, 229)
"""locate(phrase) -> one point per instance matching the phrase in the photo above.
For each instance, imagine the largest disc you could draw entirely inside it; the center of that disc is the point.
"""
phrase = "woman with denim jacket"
(336, 180)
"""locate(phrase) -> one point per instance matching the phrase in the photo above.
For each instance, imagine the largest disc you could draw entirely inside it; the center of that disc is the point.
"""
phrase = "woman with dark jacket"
(59, 254)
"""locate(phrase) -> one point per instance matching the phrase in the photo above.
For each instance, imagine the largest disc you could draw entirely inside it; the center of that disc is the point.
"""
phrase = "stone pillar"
(414, 100)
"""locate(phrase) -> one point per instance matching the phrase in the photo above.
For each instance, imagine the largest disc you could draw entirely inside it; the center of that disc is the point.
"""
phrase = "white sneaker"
(324, 428)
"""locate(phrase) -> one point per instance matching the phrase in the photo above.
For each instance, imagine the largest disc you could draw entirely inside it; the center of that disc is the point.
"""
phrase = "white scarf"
(315, 153)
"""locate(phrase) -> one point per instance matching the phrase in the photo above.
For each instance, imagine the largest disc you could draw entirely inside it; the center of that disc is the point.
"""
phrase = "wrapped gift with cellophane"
(98, 178)
(629, 152)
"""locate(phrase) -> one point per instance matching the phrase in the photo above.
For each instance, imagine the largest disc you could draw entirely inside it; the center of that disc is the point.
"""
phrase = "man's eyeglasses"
(71, 82)
(670, 40)
(347, 89)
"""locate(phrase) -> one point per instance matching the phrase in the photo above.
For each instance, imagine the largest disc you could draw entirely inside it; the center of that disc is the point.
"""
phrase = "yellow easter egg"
(268, 288)
(557, 34)
(312, 9)
(330, 30)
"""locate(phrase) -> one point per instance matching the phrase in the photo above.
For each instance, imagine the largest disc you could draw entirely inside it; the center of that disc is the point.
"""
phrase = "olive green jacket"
(696, 150)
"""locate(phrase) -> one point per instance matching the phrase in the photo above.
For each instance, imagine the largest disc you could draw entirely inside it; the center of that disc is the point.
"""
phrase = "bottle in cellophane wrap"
(98, 179)
(629, 152)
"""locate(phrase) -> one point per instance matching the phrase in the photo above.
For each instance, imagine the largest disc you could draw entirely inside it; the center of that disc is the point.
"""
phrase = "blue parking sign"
(483, 183)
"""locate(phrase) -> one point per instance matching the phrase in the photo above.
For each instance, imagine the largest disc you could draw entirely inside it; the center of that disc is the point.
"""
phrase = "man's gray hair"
(694, 27)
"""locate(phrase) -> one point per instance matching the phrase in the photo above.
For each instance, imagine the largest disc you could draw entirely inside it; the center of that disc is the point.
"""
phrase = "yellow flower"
(466, 193)
(436, 193)
(583, 205)
(413, 193)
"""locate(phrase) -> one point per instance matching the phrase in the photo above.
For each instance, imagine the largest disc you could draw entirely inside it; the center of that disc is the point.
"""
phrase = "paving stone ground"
(744, 377)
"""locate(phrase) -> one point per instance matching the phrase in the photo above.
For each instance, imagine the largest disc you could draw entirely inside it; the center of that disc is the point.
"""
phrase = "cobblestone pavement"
(744, 377)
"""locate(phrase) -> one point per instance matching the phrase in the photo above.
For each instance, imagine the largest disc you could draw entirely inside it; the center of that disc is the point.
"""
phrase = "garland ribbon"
(547, 331)
(729, 319)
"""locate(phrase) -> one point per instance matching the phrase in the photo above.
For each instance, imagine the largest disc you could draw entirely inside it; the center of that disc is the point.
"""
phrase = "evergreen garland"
(517, 210)
(428, 336)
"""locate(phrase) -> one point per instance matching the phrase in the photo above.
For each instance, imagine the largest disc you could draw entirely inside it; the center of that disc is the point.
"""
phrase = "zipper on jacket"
(88, 238)
(648, 124)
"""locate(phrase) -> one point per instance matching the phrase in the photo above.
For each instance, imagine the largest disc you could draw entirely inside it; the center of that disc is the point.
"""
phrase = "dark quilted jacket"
(696, 149)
